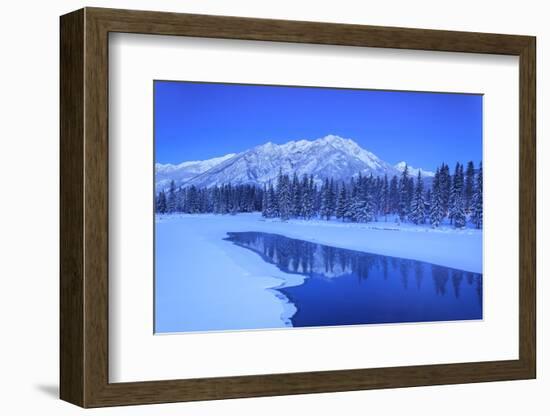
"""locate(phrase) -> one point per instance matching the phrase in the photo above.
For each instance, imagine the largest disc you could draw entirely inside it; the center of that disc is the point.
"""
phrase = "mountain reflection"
(363, 287)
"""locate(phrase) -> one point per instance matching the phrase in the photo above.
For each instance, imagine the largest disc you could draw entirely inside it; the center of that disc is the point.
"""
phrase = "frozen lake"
(206, 280)
(347, 287)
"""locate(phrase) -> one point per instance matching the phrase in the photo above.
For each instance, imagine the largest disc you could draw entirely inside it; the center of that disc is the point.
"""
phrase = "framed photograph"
(256, 207)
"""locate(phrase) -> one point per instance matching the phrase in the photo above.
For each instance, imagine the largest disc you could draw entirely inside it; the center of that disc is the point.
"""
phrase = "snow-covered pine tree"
(325, 200)
(351, 201)
(445, 188)
(258, 196)
(364, 209)
(249, 197)
(307, 199)
(297, 194)
(202, 203)
(356, 202)
(436, 206)
(214, 199)
(410, 193)
(417, 214)
(316, 196)
(377, 195)
(394, 195)
(456, 195)
(264, 203)
(459, 214)
(278, 190)
(427, 200)
(180, 199)
(461, 180)
(477, 203)
(341, 203)
(226, 197)
(404, 198)
(332, 192)
(271, 199)
(199, 201)
(161, 202)
(284, 198)
(187, 202)
(469, 187)
(385, 198)
(171, 202)
(219, 200)
(231, 199)
(372, 195)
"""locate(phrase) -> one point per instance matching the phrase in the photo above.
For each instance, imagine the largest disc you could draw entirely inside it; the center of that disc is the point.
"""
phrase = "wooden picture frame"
(84, 207)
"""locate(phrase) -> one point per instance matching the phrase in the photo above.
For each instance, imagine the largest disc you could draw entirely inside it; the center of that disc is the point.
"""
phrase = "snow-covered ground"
(204, 282)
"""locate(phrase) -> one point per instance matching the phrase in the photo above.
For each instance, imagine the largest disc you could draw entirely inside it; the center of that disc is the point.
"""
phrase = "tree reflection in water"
(358, 287)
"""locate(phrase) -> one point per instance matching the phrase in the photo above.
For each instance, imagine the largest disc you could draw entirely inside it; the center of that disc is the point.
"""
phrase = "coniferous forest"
(455, 197)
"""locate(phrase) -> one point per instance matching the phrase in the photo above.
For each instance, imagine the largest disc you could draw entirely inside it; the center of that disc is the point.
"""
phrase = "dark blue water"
(348, 287)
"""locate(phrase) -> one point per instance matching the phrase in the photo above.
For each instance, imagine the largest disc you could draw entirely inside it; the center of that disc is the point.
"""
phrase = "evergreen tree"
(297, 194)
(332, 192)
(394, 196)
(308, 198)
(469, 187)
(376, 194)
(404, 197)
(372, 196)
(271, 202)
(445, 188)
(342, 203)
(264, 203)
(316, 197)
(385, 198)
(327, 208)
(477, 204)
(284, 198)
(161, 203)
(455, 200)
(216, 200)
(459, 214)
(410, 194)
(427, 202)
(417, 205)
(360, 199)
(436, 207)
(171, 203)
(192, 200)
(363, 206)
(180, 199)
(349, 214)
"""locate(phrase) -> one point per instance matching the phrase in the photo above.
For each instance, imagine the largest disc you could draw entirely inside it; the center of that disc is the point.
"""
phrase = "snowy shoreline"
(444, 246)
(207, 283)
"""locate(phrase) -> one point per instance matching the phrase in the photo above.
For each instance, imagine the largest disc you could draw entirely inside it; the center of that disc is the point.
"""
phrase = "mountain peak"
(330, 156)
(337, 141)
(412, 170)
(333, 138)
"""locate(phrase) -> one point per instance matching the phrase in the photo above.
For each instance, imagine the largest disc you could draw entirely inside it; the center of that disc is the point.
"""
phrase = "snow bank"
(444, 246)
(205, 283)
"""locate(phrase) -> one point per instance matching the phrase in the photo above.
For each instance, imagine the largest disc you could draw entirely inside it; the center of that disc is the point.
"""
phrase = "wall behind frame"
(30, 192)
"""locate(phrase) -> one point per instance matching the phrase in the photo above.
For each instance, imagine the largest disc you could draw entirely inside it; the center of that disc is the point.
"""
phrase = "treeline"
(297, 256)
(225, 199)
(457, 197)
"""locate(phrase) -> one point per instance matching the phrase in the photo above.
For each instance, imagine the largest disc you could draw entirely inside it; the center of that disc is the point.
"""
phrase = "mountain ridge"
(330, 156)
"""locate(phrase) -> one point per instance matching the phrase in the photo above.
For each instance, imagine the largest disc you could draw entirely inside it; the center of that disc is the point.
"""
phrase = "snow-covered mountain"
(413, 171)
(183, 172)
(330, 156)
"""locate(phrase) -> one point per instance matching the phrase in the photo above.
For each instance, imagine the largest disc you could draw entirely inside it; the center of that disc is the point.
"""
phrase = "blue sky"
(196, 121)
